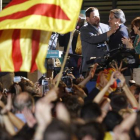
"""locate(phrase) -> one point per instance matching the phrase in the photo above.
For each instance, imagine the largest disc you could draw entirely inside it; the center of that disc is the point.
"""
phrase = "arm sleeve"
(92, 38)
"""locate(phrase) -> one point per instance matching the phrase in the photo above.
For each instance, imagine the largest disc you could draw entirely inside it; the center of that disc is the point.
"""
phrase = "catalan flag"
(50, 15)
(23, 50)
(24, 26)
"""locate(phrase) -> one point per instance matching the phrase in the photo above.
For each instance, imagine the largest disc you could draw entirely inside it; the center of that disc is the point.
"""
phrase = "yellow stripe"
(70, 7)
(43, 47)
(26, 50)
(40, 23)
(23, 6)
(6, 62)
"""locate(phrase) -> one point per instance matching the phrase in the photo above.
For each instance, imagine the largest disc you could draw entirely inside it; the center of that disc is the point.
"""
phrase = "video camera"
(128, 56)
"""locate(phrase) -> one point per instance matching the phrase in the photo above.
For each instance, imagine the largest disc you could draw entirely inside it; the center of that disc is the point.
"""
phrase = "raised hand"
(62, 113)
(92, 70)
(120, 76)
(115, 66)
(31, 121)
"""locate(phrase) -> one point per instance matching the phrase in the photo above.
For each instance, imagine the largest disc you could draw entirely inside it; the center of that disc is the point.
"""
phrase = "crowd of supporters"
(69, 112)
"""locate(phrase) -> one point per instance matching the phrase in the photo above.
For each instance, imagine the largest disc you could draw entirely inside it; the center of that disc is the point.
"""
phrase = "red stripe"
(16, 51)
(15, 2)
(48, 10)
(35, 48)
(0, 36)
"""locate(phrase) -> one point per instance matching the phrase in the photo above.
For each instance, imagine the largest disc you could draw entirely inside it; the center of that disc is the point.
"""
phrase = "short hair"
(72, 104)
(135, 22)
(23, 100)
(119, 14)
(111, 120)
(93, 129)
(90, 111)
(89, 10)
(118, 102)
(57, 130)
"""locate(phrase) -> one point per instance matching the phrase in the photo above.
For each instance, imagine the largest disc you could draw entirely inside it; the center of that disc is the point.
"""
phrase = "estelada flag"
(23, 31)
(50, 15)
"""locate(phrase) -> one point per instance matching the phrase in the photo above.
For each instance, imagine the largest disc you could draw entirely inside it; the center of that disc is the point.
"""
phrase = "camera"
(66, 78)
(44, 83)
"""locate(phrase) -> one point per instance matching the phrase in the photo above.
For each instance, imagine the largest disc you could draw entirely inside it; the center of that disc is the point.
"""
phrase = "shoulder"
(84, 27)
(123, 28)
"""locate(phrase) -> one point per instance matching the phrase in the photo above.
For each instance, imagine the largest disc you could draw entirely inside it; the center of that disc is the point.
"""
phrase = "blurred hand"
(103, 80)
(62, 113)
(113, 78)
(115, 27)
(31, 121)
(92, 70)
(120, 76)
(115, 66)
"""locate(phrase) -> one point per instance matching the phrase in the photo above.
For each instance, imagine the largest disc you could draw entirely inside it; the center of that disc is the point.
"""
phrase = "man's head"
(91, 112)
(116, 15)
(92, 16)
(23, 100)
(57, 130)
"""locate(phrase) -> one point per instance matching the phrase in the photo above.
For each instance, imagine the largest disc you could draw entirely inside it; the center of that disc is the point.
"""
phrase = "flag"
(23, 50)
(50, 15)
(24, 26)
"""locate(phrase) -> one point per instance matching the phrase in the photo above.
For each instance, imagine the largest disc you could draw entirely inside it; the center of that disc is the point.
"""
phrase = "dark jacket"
(116, 39)
(91, 38)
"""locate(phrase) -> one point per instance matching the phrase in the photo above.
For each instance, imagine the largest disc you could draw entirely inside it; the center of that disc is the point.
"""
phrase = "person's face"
(94, 18)
(132, 89)
(112, 20)
(136, 29)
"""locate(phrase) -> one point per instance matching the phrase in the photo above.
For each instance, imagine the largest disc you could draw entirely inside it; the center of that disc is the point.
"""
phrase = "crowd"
(110, 111)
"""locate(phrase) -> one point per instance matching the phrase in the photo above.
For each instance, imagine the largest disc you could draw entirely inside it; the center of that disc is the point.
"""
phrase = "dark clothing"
(3, 73)
(92, 95)
(93, 43)
(73, 61)
(116, 39)
(64, 40)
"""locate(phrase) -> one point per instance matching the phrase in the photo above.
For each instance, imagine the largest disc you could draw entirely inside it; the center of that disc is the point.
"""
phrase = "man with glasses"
(93, 37)
(117, 16)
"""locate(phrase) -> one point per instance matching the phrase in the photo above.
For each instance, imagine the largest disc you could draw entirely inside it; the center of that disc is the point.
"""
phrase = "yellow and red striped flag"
(23, 50)
(23, 31)
(50, 15)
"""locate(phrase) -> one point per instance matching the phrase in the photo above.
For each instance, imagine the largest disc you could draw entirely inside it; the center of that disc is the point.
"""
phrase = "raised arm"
(126, 90)
(90, 76)
(100, 95)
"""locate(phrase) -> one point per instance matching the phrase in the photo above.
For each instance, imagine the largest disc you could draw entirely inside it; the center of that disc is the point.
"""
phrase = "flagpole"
(65, 58)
